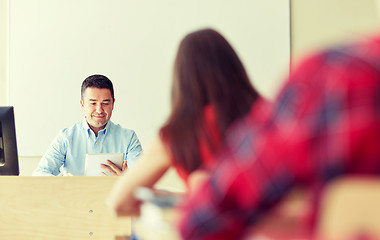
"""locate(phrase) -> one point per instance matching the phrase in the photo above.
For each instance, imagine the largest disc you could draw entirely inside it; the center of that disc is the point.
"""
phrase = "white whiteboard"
(55, 44)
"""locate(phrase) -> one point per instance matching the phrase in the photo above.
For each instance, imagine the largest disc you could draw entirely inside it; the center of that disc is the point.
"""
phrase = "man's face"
(97, 105)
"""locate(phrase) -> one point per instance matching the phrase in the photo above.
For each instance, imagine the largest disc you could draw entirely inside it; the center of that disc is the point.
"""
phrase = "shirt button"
(96, 143)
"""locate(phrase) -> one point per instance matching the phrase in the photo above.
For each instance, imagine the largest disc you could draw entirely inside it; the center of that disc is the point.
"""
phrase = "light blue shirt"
(70, 147)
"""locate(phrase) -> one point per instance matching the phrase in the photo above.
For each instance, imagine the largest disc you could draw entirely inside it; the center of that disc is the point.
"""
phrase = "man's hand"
(112, 169)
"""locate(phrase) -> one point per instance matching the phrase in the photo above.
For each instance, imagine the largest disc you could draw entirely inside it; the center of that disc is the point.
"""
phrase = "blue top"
(70, 147)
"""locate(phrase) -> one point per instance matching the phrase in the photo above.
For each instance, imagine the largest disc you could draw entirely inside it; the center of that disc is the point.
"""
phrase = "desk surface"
(58, 208)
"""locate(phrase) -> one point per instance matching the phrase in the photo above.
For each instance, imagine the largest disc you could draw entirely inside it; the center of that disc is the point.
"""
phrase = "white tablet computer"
(93, 161)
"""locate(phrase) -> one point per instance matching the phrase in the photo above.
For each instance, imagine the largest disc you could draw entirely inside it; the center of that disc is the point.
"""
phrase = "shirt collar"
(87, 128)
(108, 127)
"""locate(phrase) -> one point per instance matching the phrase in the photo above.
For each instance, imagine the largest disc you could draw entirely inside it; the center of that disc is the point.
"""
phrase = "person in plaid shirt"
(324, 123)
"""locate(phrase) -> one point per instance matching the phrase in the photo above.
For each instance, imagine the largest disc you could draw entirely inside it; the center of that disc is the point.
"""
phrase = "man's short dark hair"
(97, 81)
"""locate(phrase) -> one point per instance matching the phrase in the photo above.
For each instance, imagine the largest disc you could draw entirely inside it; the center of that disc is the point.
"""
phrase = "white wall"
(27, 165)
(54, 45)
(3, 52)
(318, 24)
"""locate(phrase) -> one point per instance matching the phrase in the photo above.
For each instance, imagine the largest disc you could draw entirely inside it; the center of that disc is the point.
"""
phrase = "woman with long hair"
(210, 91)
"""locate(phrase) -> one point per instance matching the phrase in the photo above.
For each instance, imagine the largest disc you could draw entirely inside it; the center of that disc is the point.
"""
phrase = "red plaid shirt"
(324, 123)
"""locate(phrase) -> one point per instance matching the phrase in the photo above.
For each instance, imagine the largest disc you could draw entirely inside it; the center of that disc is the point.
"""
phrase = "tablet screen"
(93, 161)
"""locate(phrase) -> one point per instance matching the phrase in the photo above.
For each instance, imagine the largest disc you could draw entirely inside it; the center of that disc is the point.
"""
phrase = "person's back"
(325, 123)
(210, 91)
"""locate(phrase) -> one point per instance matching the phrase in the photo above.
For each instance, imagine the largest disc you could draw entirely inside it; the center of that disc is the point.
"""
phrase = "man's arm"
(53, 159)
(134, 150)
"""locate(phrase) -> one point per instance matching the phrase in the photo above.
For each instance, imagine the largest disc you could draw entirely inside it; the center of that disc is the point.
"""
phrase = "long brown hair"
(207, 71)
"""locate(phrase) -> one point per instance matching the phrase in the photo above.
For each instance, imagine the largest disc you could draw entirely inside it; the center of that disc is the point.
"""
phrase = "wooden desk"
(58, 208)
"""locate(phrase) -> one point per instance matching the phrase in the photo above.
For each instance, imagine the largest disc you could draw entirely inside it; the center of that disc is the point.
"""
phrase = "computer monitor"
(8, 144)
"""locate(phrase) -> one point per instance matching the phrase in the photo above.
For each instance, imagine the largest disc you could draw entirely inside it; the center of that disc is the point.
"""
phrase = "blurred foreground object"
(157, 214)
(324, 124)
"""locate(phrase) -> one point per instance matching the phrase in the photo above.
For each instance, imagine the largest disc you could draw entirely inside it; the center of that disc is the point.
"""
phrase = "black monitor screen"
(8, 144)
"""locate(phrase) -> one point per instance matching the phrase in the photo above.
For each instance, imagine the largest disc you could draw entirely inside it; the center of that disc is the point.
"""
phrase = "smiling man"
(95, 134)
